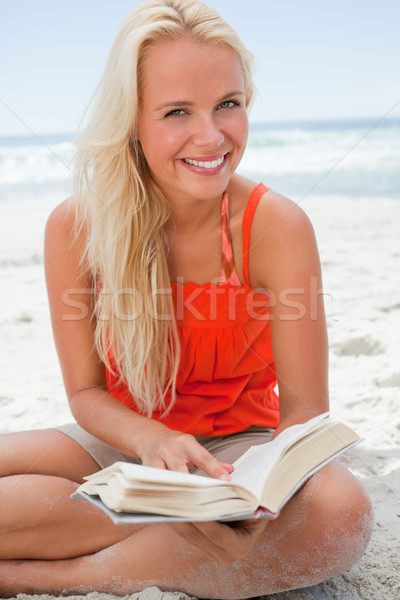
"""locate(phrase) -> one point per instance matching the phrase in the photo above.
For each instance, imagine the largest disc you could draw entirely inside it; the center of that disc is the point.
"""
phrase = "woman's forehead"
(179, 66)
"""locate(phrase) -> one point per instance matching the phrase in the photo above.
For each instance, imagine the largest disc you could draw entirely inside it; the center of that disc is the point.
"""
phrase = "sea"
(354, 158)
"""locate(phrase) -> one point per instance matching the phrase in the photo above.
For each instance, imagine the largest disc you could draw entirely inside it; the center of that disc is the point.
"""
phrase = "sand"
(360, 253)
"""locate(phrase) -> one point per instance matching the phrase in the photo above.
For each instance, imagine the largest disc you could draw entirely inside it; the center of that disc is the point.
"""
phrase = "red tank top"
(226, 377)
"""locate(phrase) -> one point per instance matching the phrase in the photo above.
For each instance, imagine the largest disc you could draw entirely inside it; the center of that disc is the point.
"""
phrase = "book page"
(303, 459)
(147, 475)
(254, 466)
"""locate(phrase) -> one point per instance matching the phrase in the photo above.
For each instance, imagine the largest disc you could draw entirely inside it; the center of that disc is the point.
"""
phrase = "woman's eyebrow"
(230, 94)
(184, 103)
(175, 104)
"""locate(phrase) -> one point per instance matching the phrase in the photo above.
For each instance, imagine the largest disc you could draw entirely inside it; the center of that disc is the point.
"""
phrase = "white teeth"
(205, 164)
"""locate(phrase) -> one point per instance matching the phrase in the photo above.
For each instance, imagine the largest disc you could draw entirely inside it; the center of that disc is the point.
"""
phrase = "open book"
(264, 479)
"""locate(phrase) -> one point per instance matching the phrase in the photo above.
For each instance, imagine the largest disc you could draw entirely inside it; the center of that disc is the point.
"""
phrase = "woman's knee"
(342, 513)
(44, 452)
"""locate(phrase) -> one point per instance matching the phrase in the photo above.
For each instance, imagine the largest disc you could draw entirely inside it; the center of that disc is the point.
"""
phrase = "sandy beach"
(360, 253)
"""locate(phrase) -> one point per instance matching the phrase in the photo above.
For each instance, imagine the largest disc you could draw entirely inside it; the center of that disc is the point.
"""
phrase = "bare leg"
(37, 517)
(322, 531)
(39, 520)
(44, 452)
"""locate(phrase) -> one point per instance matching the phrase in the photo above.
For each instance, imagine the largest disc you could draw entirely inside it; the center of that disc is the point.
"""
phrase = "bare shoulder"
(65, 239)
(63, 226)
(62, 219)
(274, 209)
(282, 239)
(280, 216)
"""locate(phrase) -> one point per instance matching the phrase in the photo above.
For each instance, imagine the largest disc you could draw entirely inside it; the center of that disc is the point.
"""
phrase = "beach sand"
(360, 253)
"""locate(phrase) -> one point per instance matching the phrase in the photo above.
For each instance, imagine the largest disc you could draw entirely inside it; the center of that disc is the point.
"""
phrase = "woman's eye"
(229, 104)
(175, 113)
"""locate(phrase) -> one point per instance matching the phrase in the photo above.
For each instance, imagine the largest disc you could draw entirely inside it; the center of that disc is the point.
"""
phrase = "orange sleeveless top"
(226, 377)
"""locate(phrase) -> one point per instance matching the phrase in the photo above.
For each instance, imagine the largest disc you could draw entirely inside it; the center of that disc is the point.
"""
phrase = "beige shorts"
(226, 448)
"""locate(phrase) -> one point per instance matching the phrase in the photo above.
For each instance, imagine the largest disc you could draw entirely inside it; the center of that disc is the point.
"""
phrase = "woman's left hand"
(222, 542)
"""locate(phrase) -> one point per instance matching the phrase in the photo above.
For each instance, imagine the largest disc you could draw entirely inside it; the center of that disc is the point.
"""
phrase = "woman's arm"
(284, 259)
(71, 299)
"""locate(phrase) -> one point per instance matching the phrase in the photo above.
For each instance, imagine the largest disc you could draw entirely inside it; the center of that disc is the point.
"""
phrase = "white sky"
(317, 59)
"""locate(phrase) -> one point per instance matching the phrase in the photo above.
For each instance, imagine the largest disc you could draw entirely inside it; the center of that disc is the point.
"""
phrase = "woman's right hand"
(158, 446)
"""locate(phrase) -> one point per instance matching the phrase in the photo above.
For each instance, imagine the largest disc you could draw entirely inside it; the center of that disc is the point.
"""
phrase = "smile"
(207, 164)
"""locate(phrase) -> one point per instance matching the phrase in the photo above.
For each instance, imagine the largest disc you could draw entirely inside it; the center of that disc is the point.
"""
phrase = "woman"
(169, 343)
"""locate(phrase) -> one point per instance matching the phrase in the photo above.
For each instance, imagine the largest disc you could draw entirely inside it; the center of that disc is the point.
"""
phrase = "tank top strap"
(228, 274)
(248, 216)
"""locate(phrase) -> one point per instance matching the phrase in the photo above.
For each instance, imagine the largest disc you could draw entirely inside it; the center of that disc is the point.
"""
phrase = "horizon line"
(253, 125)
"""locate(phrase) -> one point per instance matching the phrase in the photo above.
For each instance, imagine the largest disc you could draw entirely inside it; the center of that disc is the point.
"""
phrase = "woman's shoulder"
(281, 235)
(280, 214)
(273, 209)
(64, 214)
(66, 220)
(66, 234)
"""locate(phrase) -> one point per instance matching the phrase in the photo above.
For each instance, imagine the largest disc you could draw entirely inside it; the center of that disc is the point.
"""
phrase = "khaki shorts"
(226, 448)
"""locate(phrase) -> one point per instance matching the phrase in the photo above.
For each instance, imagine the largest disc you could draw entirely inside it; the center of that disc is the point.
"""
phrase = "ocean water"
(347, 158)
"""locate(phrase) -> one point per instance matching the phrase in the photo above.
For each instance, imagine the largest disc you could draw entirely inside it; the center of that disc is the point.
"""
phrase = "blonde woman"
(170, 346)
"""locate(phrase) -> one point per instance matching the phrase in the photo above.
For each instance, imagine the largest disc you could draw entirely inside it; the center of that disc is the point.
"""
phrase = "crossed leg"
(39, 471)
(322, 531)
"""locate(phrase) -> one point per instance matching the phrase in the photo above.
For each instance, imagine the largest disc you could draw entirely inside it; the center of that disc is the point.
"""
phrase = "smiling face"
(193, 123)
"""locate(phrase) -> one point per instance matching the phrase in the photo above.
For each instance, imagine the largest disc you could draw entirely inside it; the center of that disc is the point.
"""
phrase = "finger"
(218, 541)
(251, 528)
(211, 465)
(155, 462)
(176, 464)
(234, 540)
(197, 456)
(228, 467)
(174, 460)
(196, 537)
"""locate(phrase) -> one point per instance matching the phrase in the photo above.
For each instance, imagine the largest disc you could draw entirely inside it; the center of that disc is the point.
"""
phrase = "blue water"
(352, 158)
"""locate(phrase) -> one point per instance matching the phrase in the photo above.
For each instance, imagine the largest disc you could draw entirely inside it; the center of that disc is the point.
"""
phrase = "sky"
(316, 59)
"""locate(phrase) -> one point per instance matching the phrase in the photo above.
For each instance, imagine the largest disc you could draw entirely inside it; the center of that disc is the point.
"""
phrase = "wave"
(36, 163)
(350, 157)
(356, 158)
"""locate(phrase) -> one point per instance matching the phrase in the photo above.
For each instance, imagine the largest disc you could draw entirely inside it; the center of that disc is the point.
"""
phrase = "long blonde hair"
(136, 334)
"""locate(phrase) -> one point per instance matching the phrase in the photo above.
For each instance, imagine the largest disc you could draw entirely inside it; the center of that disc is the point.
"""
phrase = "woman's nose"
(208, 133)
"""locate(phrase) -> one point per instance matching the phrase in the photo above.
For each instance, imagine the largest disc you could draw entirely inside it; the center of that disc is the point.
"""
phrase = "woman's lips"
(205, 165)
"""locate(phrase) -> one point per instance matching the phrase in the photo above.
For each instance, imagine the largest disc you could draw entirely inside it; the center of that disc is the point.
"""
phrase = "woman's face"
(193, 121)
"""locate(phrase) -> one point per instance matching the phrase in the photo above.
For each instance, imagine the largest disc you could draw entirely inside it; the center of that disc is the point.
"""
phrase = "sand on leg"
(322, 531)
(38, 520)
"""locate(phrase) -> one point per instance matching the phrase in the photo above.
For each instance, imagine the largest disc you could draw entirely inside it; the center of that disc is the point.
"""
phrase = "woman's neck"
(194, 217)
